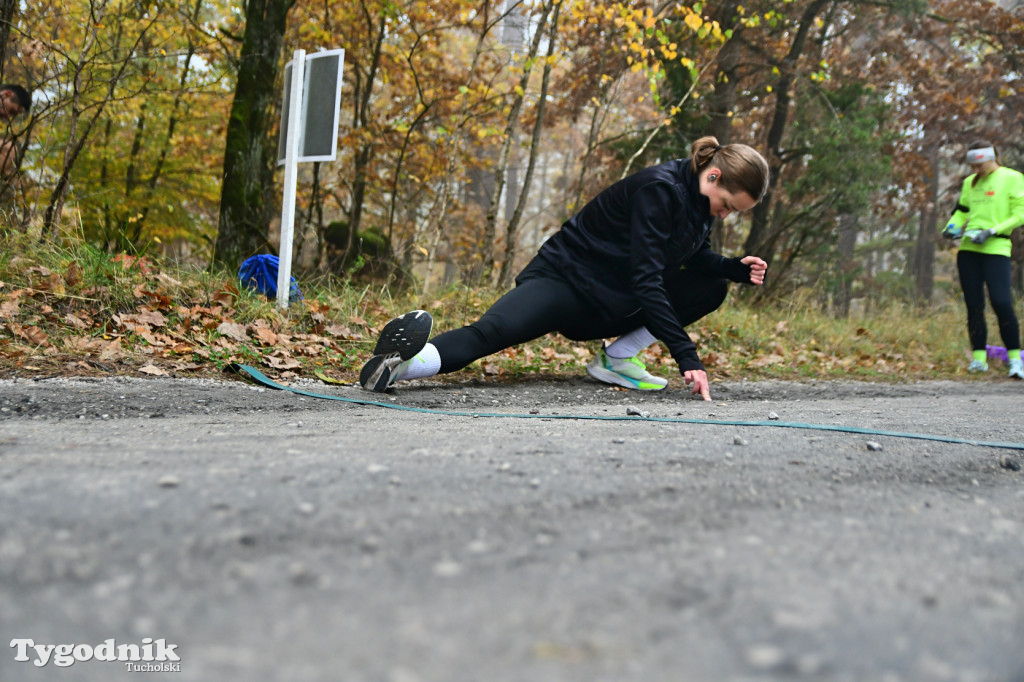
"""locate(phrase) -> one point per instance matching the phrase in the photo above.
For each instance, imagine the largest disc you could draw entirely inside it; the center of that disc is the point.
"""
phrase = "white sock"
(630, 344)
(426, 363)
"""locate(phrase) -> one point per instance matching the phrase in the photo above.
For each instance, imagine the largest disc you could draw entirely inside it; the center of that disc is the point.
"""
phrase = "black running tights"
(976, 271)
(544, 303)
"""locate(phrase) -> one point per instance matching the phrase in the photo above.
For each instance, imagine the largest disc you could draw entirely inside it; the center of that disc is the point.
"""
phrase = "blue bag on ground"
(260, 274)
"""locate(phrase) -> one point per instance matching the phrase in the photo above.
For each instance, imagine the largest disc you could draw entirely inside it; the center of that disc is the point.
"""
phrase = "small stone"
(765, 656)
(772, 416)
(300, 574)
(478, 547)
(873, 446)
(636, 412)
(169, 482)
(738, 440)
(307, 508)
(447, 569)
(1010, 463)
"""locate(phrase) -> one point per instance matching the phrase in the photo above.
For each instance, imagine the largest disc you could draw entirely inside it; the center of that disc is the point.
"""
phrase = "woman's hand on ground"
(699, 379)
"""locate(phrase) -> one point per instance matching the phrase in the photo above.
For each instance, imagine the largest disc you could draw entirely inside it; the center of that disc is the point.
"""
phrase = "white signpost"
(312, 88)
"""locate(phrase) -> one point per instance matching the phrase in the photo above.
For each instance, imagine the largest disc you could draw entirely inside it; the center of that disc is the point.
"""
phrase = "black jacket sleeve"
(716, 265)
(652, 212)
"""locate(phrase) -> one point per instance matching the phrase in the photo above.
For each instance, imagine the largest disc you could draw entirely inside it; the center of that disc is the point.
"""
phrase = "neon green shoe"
(628, 372)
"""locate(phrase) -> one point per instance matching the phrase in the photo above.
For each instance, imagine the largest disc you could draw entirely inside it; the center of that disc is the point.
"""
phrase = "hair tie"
(717, 147)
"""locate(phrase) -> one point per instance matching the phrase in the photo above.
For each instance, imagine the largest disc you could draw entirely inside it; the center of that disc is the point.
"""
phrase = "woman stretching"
(634, 263)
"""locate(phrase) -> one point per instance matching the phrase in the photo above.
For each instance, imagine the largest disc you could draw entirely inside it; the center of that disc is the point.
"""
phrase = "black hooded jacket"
(616, 250)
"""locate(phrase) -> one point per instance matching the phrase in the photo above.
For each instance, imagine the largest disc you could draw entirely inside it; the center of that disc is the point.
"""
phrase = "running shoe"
(977, 366)
(1016, 369)
(628, 372)
(401, 339)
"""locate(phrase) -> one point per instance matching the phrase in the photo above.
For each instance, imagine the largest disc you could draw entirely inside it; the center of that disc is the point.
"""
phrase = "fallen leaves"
(161, 332)
(233, 330)
(32, 334)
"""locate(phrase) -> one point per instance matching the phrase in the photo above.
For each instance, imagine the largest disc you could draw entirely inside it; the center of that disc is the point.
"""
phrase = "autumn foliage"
(470, 130)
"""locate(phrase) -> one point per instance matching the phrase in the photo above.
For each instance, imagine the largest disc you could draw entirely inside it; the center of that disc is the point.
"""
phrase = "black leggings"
(542, 303)
(976, 271)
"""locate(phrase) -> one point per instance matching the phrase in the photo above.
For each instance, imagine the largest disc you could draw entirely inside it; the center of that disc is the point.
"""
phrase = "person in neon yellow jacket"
(991, 206)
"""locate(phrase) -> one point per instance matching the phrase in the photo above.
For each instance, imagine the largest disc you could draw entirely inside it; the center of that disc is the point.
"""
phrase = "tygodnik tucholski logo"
(153, 655)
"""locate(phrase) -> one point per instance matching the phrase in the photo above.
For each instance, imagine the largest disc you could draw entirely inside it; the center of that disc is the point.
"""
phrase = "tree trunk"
(501, 166)
(7, 10)
(245, 212)
(361, 117)
(757, 238)
(727, 80)
(512, 227)
(722, 102)
(847, 265)
(923, 263)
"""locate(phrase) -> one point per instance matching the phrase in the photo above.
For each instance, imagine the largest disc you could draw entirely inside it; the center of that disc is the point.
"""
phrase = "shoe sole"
(376, 373)
(405, 335)
(399, 340)
(609, 377)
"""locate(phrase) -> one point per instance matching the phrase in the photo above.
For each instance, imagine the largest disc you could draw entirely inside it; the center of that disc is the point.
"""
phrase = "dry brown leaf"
(32, 334)
(72, 321)
(74, 274)
(767, 360)
(265, 336)
(227, 295)
(152, 318)
(281, 363)
(9, 309)
(112, 350)
(156, 339)
(153, 370)
(233, 330)
(167, 279)
(80, 343)
(341, 331)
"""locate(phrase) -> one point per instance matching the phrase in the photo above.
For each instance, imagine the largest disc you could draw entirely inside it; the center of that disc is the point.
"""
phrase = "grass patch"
(79, 311)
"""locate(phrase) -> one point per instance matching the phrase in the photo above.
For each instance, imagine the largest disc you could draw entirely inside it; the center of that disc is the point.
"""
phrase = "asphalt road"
(260, 535)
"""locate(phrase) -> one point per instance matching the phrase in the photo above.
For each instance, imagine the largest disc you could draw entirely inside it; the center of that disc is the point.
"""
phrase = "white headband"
(981, 155)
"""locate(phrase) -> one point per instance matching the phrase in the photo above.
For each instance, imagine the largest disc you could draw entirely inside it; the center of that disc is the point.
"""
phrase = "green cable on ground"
(263, 379)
